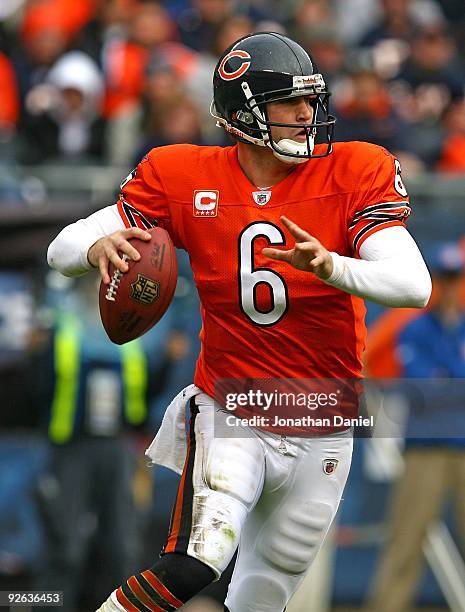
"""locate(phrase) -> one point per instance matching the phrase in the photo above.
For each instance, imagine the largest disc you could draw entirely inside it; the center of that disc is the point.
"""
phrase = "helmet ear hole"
(245, 117)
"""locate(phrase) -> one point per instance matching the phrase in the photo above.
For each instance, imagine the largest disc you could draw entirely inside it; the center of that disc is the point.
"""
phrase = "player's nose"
(304, 112)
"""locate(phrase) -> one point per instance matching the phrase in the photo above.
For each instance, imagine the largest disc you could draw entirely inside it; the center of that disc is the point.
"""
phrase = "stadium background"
(86, 89)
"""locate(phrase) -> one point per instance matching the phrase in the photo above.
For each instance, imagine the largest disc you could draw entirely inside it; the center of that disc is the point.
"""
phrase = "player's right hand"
(308, 253)
(112, 248)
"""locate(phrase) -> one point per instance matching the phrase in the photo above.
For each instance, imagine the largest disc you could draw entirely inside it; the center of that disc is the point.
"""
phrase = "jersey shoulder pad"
(358, 154)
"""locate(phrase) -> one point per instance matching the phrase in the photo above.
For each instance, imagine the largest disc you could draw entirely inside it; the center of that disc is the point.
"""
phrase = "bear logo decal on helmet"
(243, 67)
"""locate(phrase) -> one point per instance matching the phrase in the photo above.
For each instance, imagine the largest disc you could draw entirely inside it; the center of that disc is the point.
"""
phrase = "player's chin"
(298, 138)
(290, 136)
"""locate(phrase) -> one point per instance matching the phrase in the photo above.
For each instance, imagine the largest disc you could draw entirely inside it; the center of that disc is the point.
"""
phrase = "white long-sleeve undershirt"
(391, 270)
(68, 252)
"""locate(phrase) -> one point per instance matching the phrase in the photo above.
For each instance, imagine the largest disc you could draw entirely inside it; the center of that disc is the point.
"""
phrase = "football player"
(285, 236)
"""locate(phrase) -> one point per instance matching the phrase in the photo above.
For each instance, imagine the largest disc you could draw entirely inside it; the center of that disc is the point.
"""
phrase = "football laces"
(115, 281)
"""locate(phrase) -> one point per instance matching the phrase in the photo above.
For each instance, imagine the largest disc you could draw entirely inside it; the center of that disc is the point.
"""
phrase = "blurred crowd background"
(87, 88)
(106, 80)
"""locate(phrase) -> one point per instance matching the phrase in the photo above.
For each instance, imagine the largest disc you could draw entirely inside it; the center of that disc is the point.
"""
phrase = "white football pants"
(273, 497)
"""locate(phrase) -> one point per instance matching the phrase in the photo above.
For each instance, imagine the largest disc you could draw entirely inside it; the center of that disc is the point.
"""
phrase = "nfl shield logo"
(145, 290)
(329, 465)
(261, 197)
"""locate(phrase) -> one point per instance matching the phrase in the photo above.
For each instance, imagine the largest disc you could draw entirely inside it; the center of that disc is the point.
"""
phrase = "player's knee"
(236, 468)
(257, 593)
(233, 476)
(216, 529)
(296, 541)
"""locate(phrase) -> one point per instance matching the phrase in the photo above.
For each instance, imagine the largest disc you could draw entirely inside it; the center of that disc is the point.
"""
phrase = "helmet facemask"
(251, 122)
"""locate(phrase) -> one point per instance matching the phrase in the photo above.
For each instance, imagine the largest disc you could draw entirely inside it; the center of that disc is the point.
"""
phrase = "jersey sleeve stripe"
(401, 214)
(132, 217)
(371, 228)
(377, 228)
(388, 206)
(122, 214)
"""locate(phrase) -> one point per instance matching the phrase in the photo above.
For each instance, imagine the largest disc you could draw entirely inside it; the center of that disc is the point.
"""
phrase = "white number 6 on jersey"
(398, 184)
(250, 277)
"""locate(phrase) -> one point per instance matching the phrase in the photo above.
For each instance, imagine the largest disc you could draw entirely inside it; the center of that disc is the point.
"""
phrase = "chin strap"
(223, 123)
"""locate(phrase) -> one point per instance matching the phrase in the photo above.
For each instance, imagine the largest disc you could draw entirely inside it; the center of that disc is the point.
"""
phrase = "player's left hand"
(308, 253)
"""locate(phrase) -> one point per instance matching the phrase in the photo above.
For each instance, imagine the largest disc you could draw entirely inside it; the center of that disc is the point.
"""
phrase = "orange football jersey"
(262, 318)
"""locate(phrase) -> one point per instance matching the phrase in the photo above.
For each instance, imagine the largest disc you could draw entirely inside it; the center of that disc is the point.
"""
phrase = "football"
(137, 299)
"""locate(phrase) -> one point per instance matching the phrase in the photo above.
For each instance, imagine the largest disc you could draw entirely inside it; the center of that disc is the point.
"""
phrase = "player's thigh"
(287, 527)
(294, 531)
(221, 481)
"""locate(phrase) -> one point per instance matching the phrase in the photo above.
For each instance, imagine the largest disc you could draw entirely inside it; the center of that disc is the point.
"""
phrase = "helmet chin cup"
(292, 147)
